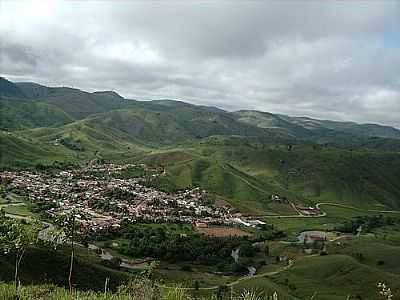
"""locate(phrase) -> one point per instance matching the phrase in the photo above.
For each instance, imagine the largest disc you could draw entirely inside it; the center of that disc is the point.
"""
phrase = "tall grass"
(137, 289)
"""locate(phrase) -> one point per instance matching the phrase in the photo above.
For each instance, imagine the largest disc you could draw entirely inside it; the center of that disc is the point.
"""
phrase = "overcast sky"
(338, 60)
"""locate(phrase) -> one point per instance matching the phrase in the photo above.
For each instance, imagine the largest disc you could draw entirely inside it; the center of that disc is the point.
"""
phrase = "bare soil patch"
(223, 231)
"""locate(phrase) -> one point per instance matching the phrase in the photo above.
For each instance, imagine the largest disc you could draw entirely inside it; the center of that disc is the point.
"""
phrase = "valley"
(173, 190)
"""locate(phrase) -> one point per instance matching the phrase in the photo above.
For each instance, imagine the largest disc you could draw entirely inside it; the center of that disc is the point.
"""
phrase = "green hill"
(30, 105)
(22, 113)
(303, 126)
(9, 89)
(247, 176)
(18, 151)
(242, 157)
(336, 277)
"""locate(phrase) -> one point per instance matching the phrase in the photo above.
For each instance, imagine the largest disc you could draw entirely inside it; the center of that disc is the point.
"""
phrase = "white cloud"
(329, 60)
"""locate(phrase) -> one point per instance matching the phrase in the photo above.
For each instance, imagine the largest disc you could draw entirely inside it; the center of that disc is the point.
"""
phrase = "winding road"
(233, 283)
(325, 214)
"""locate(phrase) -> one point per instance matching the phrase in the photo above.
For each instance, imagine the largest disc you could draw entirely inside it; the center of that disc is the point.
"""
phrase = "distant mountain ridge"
(302, 125)
(27, 105)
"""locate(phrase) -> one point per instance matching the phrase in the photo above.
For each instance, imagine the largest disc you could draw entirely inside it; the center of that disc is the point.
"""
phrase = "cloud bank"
(336, 60)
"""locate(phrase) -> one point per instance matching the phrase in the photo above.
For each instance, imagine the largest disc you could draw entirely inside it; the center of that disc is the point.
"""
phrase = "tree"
(70, 228)
(16, 238)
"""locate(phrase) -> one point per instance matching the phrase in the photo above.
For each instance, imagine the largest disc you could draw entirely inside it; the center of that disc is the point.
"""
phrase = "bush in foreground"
(138, 289)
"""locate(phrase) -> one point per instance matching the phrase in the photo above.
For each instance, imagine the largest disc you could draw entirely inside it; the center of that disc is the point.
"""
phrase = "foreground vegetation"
(145, 289)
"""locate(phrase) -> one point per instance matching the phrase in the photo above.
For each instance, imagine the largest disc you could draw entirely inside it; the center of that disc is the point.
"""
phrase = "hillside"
(9, 89)
(242, 157)
(246, 176)
(31, 105)
(303, 126)
(17, 151)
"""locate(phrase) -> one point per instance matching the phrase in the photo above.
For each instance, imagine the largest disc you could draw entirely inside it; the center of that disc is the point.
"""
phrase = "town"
(101, 197)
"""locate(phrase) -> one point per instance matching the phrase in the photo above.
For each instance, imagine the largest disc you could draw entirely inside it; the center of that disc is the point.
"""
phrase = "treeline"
(175, 247)
(366, 223)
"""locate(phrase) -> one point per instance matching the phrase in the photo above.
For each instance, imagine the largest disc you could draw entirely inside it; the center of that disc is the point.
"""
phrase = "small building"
(201, 225)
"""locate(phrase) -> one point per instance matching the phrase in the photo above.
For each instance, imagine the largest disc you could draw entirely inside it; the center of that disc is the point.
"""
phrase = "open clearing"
(223, 231)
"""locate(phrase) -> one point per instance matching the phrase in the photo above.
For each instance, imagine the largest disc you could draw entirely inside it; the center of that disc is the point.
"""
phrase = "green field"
(20, 210)
(7, 198)
(336, 277)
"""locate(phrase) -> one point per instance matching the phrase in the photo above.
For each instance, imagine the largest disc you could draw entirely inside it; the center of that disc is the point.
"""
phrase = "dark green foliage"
(114, 262)
(367, 223)
(74, 145)
(45, 265)
(172, 247)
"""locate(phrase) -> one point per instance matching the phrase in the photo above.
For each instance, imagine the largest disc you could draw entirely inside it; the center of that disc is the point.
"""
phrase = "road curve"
(233, 283)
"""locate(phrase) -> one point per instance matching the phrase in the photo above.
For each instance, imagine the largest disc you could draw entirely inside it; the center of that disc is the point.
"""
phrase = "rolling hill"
(242, 157)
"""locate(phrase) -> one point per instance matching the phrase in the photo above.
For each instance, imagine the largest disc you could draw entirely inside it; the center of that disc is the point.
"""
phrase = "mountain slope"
(303, 126)
(41, 106)
(20, 114)
(10, 89)
(20, 152)
(30, 105)
(246, 176)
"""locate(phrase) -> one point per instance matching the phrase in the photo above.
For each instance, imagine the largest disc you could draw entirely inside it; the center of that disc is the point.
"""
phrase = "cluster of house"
(101, 200)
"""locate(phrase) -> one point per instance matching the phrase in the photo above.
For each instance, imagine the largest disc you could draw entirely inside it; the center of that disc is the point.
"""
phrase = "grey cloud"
(329, 60)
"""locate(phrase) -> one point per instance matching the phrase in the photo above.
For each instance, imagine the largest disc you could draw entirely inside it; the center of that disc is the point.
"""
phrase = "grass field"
(264, 286)
(379, 250)
(336, 277)
(174, 275)
(335, 216)
(20, 210)
(10, 198)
